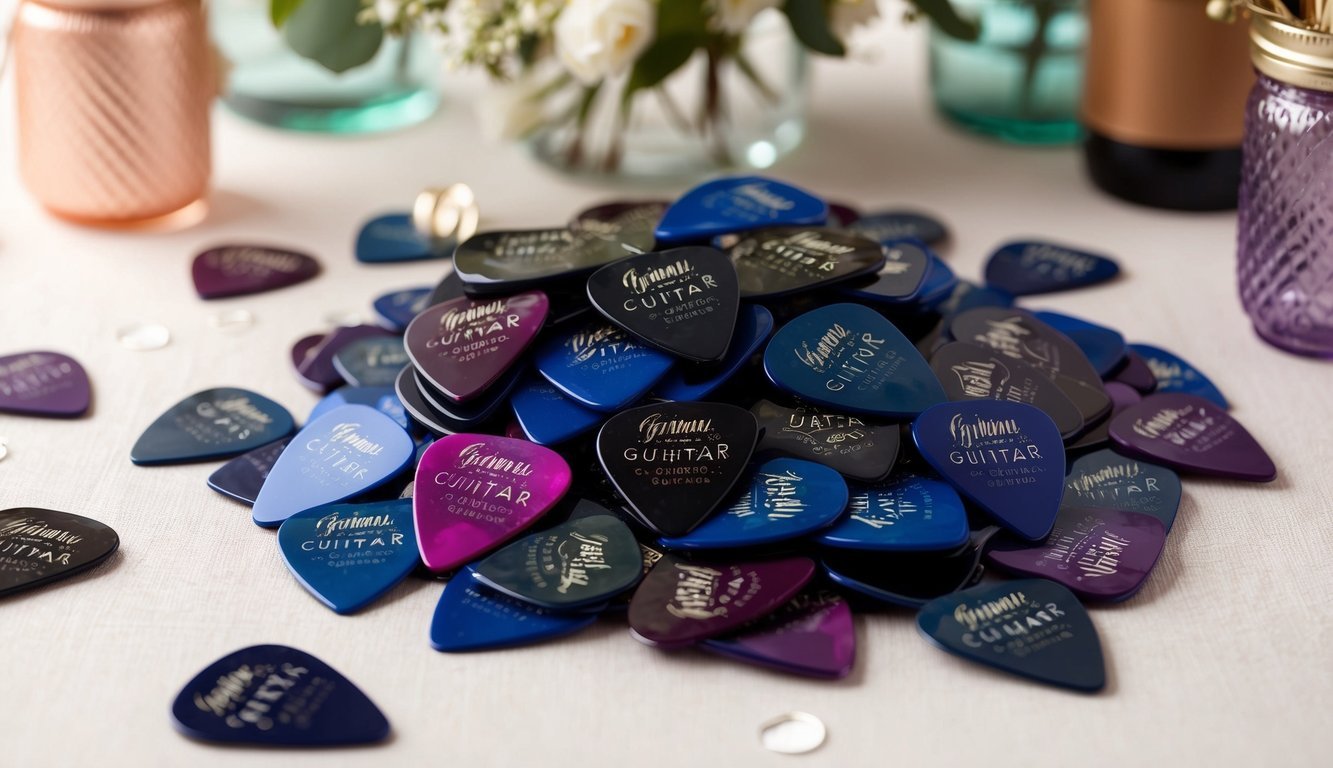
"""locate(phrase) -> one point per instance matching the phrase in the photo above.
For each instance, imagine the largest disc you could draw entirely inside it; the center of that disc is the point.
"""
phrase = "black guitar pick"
(851, 445)
(506, 262)
(39, 546)
(972, 372)
(782, 260)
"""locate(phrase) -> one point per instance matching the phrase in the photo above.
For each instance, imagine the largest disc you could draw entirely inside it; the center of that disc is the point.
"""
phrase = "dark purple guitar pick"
(1191, 434)
(239, 270)
(43, 384)
(1135, 372)
(464, 346)
(316, 371)
(811, 635)
(301, 349)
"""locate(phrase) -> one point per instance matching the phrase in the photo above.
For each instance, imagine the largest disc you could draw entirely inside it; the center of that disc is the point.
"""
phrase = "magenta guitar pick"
(43, 384)
(476, 492)
(1190, 434)
(811, 635)
(238, 270)
(463, 346)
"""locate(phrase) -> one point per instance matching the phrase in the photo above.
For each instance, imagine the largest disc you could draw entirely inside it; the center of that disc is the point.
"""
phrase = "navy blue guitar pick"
(848, 357)
(1024, 268)
(390, 238)
(1106, 480)
(472, 617)
(272, 695)
(972, 372)
(242, 477)
(1174, 374)
(371, 362)
(888, 226)
(547, 416)
(315, 370)
(1104, 347)
(783, 499)
(382, 399)
(213, 424)
(348, 555)
(1006, 458)
(395, 309)
(908, 513)
(737, 204)
(1032, 628)
(938, 284)
(907, 579)
(600, 365)
(900, 280)
(349, 450)
(847, 444)
(696, 382)
(777, 261)
(41, 546)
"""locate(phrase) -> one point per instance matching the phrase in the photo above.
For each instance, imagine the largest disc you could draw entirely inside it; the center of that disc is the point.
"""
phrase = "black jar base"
(1181, 180)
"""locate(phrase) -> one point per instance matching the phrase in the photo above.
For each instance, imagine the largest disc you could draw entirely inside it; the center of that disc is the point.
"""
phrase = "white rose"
(847, 15)
(734, 16)
(599, 38)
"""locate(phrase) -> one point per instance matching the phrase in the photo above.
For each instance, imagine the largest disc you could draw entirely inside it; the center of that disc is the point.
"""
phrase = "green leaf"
(682, 27)
(281, 10)
(327, 32)
(947, 19)
(810, 23)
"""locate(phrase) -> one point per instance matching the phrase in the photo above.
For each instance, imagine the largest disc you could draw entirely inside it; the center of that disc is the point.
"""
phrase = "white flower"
(734, 16)
(846, 15)
(599, 38)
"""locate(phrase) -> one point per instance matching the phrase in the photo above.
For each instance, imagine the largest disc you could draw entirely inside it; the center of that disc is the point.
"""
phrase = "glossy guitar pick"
(1104, 347)
(424, 413)
(1134, 372)
(272, 695)
(1190, 434)
(857, 450)
(777, 261)
(349, 555)
(1033, 628)
(1018, 333)
(842, 214)
(505, 262)
(317, 371)
(382, 399)
(781, 499)
(475, 492)
(638, 217)
(451, 286)
(213, 424)
(906, 579)
(1098, 435)
(242, 477)
(907, 513)
(680, 603)
(347, 451)
(573, 565)
(371, 362)
(1106, 480)
(477, 410)
(901, 278)
(972, 372)
(848, 357)
(1173, 374)
(682, 301)
(1006, 458)
(938, 285)
(464, 346)
(888, 226)
(547, 416)
(676, 462)
(1100, 554)
(395, 309)
(392, 238)
(303, 347)
(39, 546)
(696, 382)
(1024, 268)
(600, 366)
(43, 384)
(240, 270)
(471, 617)
(811, 635)
(737, 204)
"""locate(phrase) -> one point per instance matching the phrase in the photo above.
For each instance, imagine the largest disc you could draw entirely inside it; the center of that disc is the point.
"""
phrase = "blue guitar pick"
(697, 382)
(213, 424)
(900, 280)
(1105, 347)
(905, 514)
(547, 416)
(391, 238)
(371, 362)
(272, 695)
(471, 617)
(1106, 480)
(1174, 374)
(395, 309)
(1006, 458)
(736, 204)
(783, 499)
(382, 399)
(968, 295)
(938, 284)
(348, 555)
(889, 226)
(349, 450)
(907, 579)
(848, 357)
(600, 365)
(242, 477)
(1024, 268)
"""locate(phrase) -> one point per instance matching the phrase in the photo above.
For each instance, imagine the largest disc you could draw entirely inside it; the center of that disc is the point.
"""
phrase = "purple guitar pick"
(1191, 434)
(239, 270)
(316, 370)
(43, 384)
(465, 345)
(811, 635)
(303, 346)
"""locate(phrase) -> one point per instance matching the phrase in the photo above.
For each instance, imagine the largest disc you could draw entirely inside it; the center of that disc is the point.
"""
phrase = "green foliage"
(327, 31)
(810, 23)
(947, 19)
(682, 28)
(281, 10)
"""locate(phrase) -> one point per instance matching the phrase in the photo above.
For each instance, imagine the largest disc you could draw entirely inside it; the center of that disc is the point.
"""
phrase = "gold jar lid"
(1289, 53)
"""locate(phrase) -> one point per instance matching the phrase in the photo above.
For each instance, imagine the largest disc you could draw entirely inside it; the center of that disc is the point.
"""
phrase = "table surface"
(1223, 659)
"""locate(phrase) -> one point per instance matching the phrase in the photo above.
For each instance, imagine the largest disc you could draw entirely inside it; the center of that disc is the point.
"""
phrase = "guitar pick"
(349, 555)
(506, 262)
(272, 695)
(782, 499)
(697, 382)
(938, 284)
(43, 384)
(242, 477)
(422, 411)
(905, 579)
(240, 270)
(858, 451)
(1018, 333)
(600, 366)
(213, 424)
(777, 261)
(1099, 435)
(1100, 554)
(904, 514)
(1173, 374)
(371, 362)
(811, 635)
(900, 280)
(347, 451)
(676, 462)
(1032, 628)
(736, 204)
(475, 492)
(450, 287)
(577, 564)
(382, 399)
(392, 238)
(1104, 347)
(470, 617)
(39, 546)
(888, 226)
(317, 371)
(1134, 372)
(680, 603)
(1189, 433)
(973, 372)
(842, 214)
(968, 295)
(637, 217)
(1106, 480)
(682, 301)
(546, 416)
(303, 346)
(848, 357)
(475, 411)
(462, 347)
(1025, 268)
(395, 309)
(1006, 458)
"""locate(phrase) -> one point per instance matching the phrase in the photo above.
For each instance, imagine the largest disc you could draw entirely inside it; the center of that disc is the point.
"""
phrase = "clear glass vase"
(1021, 79)
(269, 83)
